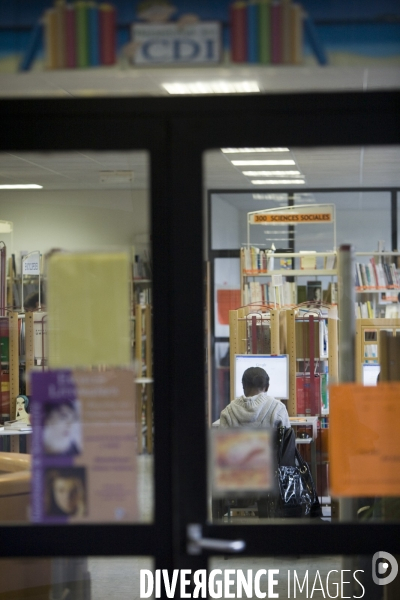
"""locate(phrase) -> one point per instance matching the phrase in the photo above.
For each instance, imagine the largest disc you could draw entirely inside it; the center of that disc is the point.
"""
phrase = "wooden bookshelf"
(367, 335)
(144, 379)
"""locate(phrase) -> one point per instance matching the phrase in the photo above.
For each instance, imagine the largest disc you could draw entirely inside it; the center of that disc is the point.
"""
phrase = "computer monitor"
(277, 367)
(370, 373)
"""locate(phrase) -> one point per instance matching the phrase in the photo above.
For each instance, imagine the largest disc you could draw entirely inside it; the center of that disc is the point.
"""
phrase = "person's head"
(58, 433)
(66, 491)
(255, 380)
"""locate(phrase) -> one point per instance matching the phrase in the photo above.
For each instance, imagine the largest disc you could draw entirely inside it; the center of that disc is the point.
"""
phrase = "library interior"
(283, 299)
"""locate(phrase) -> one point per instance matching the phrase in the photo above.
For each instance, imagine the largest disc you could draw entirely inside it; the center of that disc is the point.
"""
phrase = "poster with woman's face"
(84, 446)
(62, 432)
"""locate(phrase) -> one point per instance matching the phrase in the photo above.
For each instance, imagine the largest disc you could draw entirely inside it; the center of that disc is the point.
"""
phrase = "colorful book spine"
(70, 35)
(264, 32)
(276, 33)
(82, 34)
(50, 29)
(107, 23)
(296, 23)
(286, 38)
(94, 35)
(238, 17)
(252, 32)
(61, 34)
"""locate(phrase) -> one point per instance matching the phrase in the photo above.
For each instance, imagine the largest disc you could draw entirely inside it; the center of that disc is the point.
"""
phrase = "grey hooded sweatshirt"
(257, 411)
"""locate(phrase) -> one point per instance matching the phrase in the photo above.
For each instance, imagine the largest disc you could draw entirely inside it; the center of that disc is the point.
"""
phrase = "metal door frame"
(176, 132)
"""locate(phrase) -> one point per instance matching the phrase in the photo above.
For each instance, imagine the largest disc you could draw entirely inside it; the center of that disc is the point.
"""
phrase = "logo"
(384, 568)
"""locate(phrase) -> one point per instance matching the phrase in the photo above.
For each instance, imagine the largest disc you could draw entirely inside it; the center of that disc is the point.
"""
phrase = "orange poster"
(364, 440)
(227, 300)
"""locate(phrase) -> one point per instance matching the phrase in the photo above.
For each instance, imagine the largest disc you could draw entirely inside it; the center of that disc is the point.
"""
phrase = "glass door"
(183, 525)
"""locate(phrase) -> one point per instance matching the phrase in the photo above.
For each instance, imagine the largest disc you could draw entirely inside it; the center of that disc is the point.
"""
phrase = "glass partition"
(76, 435)
(277, 217)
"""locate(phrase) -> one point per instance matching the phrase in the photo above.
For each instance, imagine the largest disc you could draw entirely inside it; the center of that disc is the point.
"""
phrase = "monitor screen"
(277, 367)
(370, 374)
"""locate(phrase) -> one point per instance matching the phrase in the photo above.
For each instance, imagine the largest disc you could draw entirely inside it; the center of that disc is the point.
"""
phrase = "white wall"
(74, 220)
(224, 225)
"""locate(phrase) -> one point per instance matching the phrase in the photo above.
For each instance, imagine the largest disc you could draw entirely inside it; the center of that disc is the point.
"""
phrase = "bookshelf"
(378, 285)
(257, 282)
(144, 380)
(367, 340)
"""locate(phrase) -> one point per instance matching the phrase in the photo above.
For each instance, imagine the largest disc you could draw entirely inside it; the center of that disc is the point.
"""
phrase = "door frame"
(163, 126)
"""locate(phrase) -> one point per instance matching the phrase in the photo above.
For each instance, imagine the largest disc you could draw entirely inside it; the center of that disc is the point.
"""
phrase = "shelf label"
(31, 264)
(171, 43)
(364, 448)
(323, 215)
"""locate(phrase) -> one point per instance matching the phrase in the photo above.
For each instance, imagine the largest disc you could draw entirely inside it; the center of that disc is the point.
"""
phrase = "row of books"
(267, 32)
(365, 310)
(265, 293)
(256, 261)
(82, 34)
(377, 276)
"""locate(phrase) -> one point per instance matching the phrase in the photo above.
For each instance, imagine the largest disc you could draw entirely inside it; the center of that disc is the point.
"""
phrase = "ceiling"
(320, 167)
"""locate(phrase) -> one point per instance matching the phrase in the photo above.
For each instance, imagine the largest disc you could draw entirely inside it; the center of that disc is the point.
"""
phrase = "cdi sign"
(171, 43)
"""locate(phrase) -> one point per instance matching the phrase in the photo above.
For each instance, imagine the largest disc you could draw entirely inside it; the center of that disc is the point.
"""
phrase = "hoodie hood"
(251, 411)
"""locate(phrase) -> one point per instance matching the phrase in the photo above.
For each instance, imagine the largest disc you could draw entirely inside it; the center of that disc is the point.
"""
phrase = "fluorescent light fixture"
(21, 186)
(269, 173)
(6, 226)
(276, 197)
(261, 163)
(277, 181)
(116, 176)
(212, 87)
(252, 150)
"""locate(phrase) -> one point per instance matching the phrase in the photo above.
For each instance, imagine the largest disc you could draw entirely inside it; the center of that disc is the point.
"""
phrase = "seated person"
(255, 408)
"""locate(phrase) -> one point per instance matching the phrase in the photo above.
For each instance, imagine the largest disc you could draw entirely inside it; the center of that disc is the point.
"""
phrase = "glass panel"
(286, 320)
(305, 577)
(76, 337)
(77, 578)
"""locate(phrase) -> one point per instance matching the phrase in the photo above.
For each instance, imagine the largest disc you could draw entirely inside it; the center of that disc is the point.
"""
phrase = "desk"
(13, 440)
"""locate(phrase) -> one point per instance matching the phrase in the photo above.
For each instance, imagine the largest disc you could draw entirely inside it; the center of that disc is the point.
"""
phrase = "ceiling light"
(21, 186)
(116, 176)
(268, 173)
(6, 226)
(212, 87)
(276, 197)
(278, 181)
(260, 163)
(252, 150)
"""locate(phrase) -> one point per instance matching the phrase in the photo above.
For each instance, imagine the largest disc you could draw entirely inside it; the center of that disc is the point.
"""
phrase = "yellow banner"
(290, 218)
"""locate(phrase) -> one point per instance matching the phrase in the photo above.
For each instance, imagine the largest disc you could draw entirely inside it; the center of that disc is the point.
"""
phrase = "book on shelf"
(17, 425)
(330, 262)
(308, 260)
(375, 276)
(314, 291)
(254, 260)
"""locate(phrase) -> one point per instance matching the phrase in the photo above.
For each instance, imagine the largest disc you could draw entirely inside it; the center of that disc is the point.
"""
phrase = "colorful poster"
(83, 446)
(364, 446)
(241, 461)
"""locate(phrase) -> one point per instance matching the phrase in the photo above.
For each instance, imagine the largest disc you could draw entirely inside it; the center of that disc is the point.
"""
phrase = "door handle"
(196, 542)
